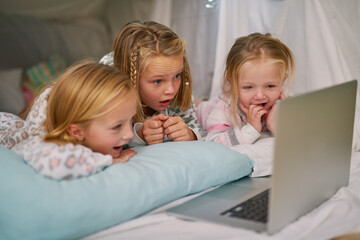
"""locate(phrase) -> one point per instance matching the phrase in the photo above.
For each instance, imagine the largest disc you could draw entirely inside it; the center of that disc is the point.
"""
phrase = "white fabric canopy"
(323, 34)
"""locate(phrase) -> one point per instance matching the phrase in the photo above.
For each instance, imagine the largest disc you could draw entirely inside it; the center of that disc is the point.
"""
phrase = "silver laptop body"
(312, 155)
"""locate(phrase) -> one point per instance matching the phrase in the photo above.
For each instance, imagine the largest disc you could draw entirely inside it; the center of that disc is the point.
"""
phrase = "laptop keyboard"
(255, 208)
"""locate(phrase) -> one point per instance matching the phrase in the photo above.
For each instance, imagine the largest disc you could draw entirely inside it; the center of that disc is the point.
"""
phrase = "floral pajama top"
(25, 137)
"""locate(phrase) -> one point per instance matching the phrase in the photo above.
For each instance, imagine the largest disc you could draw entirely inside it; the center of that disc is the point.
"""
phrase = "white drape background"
(323, 34)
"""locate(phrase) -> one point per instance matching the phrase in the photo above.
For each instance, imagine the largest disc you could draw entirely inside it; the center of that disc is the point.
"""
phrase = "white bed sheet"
(337, 216)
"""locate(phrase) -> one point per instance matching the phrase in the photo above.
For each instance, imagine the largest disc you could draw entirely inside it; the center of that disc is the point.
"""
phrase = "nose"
(259, 94)
(169, 89)
(128, 132)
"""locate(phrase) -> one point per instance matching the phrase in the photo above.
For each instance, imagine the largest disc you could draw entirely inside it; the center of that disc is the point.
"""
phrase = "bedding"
(335, 217)
(34, 207)
(18, 86)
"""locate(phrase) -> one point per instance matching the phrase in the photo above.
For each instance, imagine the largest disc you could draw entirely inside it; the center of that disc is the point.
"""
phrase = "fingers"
(153, 136)
(254, 116)
(176, 129)
(124, 156)
(183, 135)
(173, 124)
(155, 122)
(160, 117)
(173, 121)
(154, 139)
(153, 130)
(256, 111)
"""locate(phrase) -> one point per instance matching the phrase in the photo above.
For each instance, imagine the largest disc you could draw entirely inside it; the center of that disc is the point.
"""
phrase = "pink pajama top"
(220, 128)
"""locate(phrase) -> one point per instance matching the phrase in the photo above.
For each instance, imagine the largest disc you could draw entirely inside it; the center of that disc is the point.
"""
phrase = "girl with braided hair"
(154, 57)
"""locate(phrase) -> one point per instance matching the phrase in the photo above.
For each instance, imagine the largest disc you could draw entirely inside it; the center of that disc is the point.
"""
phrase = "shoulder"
(37, 113)
(222, 103)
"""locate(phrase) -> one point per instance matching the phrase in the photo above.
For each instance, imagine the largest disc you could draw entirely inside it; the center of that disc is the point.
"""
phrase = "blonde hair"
(79, 96)
(137, 42)
(251, 48)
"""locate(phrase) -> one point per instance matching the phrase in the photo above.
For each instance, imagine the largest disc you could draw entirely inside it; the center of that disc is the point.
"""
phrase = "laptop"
(312, 154)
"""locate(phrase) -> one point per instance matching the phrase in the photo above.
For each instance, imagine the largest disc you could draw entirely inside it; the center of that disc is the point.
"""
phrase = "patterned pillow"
(43, 73)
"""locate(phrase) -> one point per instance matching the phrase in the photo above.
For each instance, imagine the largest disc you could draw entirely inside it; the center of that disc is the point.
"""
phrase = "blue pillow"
(35, 207)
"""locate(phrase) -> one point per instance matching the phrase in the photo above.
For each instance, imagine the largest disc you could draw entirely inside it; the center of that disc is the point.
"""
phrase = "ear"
(75, 131)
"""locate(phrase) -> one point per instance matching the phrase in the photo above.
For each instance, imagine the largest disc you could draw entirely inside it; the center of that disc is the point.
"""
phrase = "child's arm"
(220, 129)
(61, 162)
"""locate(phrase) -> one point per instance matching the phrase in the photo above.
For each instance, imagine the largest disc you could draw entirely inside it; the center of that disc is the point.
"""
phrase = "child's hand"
(177, 130)
(124, 156)
(254, 114)
(153, 131)
(270, 116)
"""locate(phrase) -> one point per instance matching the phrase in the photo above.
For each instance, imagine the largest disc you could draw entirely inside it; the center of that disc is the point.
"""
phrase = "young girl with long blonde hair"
(257, 67)
(155, 59)
(78, 125)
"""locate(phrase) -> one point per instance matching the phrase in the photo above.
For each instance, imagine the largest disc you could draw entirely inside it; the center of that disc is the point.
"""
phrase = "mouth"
(117, 151)
(118, 148)
(261, 104)
(166, 102)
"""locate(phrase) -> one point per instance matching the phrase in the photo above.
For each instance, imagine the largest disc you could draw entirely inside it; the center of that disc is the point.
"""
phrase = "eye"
(247, 87)
(117, 127)
(177, 76)
(270, 86)
(157, 82)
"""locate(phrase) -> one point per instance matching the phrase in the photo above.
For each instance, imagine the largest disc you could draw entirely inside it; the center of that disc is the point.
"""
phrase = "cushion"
(44, 73)
(11, 96)
(35, 207)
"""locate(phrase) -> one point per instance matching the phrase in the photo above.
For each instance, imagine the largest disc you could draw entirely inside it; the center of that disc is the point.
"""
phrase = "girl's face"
(108, 133)
(259, 83)
(160, 81)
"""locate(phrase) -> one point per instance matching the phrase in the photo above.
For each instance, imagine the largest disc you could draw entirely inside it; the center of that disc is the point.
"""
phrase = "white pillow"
(11, 96)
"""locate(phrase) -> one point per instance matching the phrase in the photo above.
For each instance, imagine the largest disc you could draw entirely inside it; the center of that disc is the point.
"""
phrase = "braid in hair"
(133, 66)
